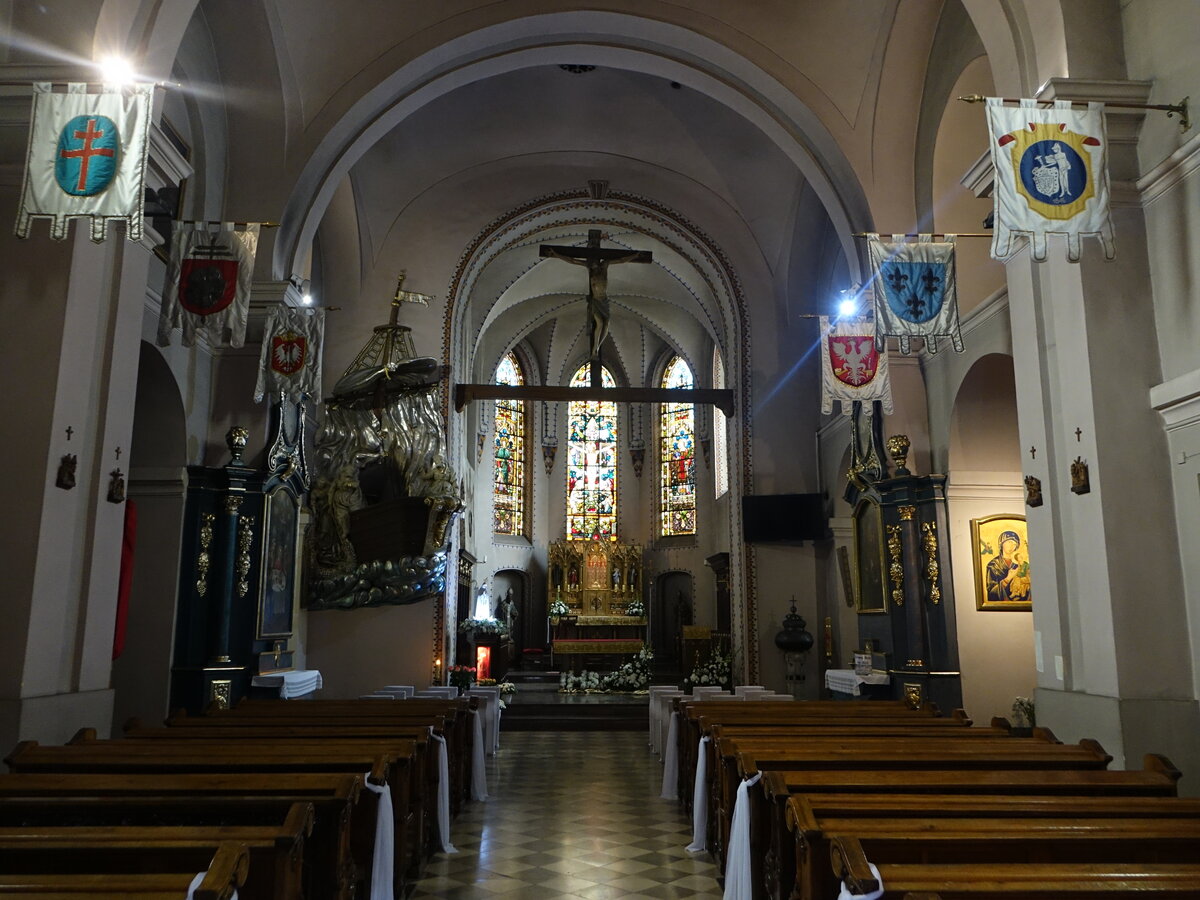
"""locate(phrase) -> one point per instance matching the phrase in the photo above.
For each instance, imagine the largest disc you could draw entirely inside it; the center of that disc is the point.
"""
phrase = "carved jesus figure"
(597, 261)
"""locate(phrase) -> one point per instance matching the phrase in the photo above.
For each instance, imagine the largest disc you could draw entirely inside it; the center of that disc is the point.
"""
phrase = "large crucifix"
(597, 260)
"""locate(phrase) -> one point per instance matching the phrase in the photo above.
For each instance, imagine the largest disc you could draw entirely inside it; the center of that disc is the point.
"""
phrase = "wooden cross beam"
(721, 398)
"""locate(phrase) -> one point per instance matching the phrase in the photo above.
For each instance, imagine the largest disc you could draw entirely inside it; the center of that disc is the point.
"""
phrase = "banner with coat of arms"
(208, 283)
(290, 362)
(914, 290)
(86, 158)
(851, 366)
(1051, 176)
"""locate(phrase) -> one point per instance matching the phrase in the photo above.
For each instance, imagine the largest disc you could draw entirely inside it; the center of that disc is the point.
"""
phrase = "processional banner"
(208, 283)
(914, 290)
(852, 368)
(290, 362)
(86, 158)
(1051, 176)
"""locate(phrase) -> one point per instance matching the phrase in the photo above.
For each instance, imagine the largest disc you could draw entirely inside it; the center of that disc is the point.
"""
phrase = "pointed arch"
(592, 463)
(510, 461)
(677, 455)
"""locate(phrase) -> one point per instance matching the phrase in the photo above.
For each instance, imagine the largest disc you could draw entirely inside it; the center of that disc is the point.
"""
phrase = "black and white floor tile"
(571, 815)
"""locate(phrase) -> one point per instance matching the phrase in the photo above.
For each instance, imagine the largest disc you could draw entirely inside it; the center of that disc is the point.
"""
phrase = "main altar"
(600, 583)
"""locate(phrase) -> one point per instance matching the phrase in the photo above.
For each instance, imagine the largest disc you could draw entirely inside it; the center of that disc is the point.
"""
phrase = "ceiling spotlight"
(116, 70)
(847, 308)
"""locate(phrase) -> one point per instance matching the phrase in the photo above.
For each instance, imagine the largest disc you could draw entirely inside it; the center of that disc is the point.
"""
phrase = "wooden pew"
(385, 762)
(773, 846)
(1028, 881)
(276, 849)
(206, 799)
(420, 821)
(225, 873)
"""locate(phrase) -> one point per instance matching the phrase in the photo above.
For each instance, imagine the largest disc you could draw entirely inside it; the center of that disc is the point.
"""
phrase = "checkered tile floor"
(571, 814)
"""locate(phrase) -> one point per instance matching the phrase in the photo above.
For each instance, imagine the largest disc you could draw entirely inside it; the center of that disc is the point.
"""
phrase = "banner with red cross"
(851, 367)
(86, 158)
(290, 361)
(209, 275)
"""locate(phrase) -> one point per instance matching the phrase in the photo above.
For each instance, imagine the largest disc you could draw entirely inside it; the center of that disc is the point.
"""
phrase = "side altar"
(601, 584)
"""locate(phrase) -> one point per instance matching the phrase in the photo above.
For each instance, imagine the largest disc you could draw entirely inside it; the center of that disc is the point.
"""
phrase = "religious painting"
(1001, 563)
(870, 591)
(281, 525)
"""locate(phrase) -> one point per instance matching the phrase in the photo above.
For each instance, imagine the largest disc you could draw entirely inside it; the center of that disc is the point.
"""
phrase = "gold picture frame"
(870, 583)
(1000, 560)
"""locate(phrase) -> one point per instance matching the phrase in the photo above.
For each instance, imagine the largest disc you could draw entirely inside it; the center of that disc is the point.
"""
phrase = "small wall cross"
(118, 454)
(70, 431)
(1033, 452)
(1078, 434)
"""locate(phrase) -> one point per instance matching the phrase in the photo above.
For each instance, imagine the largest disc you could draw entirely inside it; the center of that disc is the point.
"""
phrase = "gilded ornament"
(907, 513)
(116, 487)
(220, 692)
(896, 569)
(897, 446)
(913, 696)
(66, 472)
(202, 558)
(233, 502)
(236, 439)
(932, 569)
(244, 540)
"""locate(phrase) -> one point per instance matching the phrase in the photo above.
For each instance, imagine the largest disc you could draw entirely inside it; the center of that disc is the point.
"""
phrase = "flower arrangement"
(635, 607)
(482, 626)
(713, 671)
(558, 608)
(507, 689)
(630, 677)
(486, 682)
(462, 677)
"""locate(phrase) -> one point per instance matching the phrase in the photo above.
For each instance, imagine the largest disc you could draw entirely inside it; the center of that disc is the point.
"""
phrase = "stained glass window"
(592, 463)
(720, 441)
(677, 455)
(508, 459)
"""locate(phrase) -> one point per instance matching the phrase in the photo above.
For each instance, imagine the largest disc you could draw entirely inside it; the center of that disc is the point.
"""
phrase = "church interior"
(496, 204)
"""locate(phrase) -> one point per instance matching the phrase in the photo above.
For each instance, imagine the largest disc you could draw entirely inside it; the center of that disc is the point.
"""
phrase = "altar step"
(529, 714)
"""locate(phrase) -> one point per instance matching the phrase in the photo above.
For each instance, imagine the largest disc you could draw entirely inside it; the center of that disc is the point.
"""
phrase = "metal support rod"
(1171, 109)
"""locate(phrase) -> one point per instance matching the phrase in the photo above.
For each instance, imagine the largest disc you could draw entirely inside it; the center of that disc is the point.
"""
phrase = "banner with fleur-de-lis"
(914, 290)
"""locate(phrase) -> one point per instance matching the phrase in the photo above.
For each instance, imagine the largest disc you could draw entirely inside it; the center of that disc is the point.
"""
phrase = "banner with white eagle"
(1051, 176)
(914, 290)
(86, 158)
(290, 362)
(208, 283)
(851, 367)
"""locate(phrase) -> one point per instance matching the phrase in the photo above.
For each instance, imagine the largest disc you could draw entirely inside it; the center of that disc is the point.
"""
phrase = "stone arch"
(157, 489)
(597, 38)
(996, 647)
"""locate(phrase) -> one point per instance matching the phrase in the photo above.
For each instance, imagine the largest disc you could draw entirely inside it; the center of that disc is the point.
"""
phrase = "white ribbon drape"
(699, 800)
(738, 878)
(384, 860)
(671, 760)
(443, 797)
(479, 789)
(198, 880)
(873, 895)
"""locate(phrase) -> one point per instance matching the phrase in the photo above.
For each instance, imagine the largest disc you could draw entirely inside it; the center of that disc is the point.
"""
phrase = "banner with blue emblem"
(914, 290)
(86, 158)
(1051, 176)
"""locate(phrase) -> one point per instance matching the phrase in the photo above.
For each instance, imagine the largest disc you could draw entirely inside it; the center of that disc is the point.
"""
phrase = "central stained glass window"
(592, 463)
(677, 453)
(508, 473)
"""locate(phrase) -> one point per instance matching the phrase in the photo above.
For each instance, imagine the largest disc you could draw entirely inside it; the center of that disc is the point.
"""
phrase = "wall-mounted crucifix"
(597, 259)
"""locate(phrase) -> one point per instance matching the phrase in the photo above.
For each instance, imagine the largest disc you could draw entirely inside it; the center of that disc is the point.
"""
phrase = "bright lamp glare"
(847, 308)
(307, 299)
(116, 70)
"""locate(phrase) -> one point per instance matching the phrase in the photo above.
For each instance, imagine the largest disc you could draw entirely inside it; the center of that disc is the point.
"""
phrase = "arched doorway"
(156, 494)
(527, 624)
(995, 645)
